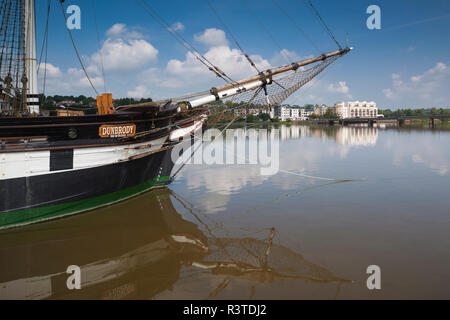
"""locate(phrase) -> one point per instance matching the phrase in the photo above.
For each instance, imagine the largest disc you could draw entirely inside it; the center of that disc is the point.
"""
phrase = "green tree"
(251, 118)
(329, 114)
(264, 116)
(420, 112)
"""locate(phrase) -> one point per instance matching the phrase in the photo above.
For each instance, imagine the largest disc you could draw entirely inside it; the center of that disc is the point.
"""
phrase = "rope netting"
(282, 86)
(258, 259)
(252, 256)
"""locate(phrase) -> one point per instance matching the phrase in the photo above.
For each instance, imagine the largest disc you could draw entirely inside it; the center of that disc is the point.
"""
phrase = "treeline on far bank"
(81, 103)
(414, 112)
(89, 105)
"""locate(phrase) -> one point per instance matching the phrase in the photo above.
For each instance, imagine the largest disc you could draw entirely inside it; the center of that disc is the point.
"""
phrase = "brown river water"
(344, 199)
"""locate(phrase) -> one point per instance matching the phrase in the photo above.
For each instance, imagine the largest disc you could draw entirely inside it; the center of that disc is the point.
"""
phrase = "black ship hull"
(45, 176)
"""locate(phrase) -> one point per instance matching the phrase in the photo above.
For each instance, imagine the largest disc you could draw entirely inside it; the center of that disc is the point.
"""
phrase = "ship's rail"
(75, 135)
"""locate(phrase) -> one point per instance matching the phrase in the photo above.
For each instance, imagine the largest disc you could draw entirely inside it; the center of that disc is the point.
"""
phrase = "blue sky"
(405, 64)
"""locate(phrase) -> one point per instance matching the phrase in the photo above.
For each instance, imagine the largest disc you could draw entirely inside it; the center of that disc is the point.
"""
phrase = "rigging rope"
(283, 53)
(76, 50)
(296, 25)
(249, 255)
(189, 47)
(231, 34)
(201, 139)
(45, 38)
(324, 25)
(174, 176)
(46, 49)
(284, 86)
(12, 57)
(99, 47)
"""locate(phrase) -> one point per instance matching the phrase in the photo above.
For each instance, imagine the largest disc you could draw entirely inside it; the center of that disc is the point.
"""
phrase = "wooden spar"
(287, 68)
(260, 80)
(235, 88)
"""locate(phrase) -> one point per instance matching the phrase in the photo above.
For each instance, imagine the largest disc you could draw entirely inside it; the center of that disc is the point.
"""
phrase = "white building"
(285, 113)
(244, 111)
(282, 112)
(240, 112)
(295, 114)
(320, 111)
(305, 114)
(254, 111)
(356, 109)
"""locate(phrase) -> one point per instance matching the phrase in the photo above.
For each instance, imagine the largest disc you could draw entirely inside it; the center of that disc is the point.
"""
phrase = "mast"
(30, 57)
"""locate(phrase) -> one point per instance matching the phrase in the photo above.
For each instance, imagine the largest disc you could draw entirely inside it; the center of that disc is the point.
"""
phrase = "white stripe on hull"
(182, 132)
(34, 163)
(23, 164)
(95, 157)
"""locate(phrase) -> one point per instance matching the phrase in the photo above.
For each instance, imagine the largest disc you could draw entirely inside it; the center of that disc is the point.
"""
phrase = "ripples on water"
(228, 232)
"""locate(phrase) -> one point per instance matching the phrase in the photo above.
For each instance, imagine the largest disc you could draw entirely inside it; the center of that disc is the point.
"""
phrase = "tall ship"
(55, 166)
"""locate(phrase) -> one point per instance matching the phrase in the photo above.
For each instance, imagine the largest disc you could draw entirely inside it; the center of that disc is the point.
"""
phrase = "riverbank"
(413, 123)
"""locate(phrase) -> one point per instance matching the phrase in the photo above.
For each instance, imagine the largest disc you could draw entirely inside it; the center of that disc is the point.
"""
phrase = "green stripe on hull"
(29, 216)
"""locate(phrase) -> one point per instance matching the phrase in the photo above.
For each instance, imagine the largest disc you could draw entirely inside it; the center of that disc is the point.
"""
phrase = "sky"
(405, 64)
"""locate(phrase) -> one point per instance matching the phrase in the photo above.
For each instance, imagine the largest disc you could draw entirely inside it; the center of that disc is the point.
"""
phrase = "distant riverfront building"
(285, 113)
(282, 112)
(320, 111)
(245, 112)
(354, 109)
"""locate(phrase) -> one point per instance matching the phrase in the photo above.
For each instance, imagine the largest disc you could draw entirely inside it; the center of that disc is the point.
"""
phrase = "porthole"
(72, 133)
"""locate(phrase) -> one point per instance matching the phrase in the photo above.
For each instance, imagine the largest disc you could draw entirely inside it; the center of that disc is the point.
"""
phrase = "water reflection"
(299, 154)
(241, 235)
(354, 135)
(141, 249)
(421, 150)
(394, 213)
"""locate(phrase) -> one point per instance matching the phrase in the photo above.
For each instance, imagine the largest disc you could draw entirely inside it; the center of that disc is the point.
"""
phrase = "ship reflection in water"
(138, 249)
(226, 232)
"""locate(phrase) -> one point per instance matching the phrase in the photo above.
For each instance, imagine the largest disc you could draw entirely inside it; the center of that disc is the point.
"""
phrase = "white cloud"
(388, 93)
(286, 57)
(340, 87)
(139, 92)
(70, 82)
(424, 87)
(231, 61)
(131, 69)
(120, 52)
(124, 55)
(321, 91)
(181, 76)
(51, 70)
(77, 78)
(212, 37)
(177, 26)
(121, 30)
(116, 30)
